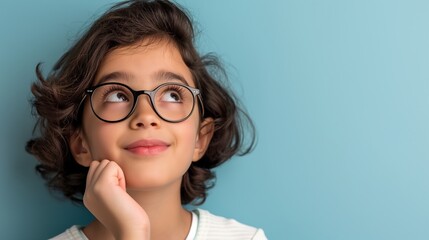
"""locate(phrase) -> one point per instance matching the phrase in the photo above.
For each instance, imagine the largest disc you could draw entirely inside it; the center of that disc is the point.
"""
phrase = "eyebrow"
(169, 76)
(161, 75)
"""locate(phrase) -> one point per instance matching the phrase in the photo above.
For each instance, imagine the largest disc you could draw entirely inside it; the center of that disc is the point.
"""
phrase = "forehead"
(143, 62)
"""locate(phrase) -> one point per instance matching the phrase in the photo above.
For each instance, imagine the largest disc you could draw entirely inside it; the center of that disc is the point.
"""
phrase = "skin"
(137, 195)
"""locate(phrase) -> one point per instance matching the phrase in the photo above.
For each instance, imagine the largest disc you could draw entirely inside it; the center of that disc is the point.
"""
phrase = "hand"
(106, 198)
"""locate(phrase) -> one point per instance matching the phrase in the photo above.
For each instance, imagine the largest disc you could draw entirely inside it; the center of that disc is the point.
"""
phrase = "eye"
(172, 94)
(116, 97)
(115, 94)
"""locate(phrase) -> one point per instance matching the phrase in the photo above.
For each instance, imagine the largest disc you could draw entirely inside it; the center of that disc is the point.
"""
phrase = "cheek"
(103, 146)
(189, 136)
(188, 132)
(100, 136)
(189, 128)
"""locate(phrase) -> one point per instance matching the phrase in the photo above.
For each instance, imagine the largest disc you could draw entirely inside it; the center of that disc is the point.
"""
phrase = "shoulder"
(215, 227)
(73, 233)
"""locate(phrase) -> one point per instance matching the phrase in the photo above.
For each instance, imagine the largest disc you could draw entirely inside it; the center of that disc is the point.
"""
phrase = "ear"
(79, 149)
(203, 139)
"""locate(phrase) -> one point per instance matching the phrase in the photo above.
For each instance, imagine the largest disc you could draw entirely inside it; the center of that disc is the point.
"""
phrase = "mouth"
(147, 147)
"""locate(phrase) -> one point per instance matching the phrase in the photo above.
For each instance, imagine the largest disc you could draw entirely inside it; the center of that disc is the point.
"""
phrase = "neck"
(168, 219)
(165, 211)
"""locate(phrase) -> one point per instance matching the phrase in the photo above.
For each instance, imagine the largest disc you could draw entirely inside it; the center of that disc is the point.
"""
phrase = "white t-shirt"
(204, 226)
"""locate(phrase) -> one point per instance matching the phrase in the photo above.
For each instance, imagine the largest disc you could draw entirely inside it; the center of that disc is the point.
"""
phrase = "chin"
(145, 183)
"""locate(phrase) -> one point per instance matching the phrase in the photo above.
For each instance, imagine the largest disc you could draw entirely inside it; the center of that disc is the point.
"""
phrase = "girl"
(132, 123)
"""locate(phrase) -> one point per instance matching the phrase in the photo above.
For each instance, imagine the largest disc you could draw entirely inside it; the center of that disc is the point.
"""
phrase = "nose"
(144, 115)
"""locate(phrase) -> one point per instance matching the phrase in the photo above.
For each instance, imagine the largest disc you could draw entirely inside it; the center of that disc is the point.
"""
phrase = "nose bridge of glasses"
(149, 98)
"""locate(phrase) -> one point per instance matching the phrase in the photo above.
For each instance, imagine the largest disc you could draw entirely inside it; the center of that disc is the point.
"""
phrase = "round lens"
(112, 102)
(174, 102)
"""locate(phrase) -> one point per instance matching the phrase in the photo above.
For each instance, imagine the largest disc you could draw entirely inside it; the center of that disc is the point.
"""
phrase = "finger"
(89, 178)
(98, 170)
(113, 173)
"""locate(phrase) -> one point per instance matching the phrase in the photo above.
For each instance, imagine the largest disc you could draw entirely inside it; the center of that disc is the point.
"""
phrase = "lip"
(147, 147)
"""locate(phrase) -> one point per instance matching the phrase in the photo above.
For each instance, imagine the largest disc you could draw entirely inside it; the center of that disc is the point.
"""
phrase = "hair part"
(57, 97)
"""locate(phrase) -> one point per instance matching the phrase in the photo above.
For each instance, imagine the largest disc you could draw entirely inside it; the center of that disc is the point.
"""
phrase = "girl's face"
(151, 152)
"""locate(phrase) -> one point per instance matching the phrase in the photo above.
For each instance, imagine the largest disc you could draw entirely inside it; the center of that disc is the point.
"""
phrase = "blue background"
(338, 90)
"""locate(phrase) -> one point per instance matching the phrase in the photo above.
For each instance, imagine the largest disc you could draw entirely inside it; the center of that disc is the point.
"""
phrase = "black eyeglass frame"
(151, 93)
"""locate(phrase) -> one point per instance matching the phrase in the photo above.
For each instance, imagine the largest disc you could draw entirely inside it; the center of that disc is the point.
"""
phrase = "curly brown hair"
(57, 97)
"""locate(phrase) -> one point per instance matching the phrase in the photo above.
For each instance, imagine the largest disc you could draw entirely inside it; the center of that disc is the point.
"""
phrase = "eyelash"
(179, 90)
(174, 88)
(112, 89)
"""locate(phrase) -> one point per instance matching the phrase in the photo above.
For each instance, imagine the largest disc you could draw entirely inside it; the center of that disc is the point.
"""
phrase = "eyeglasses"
(114, 102)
